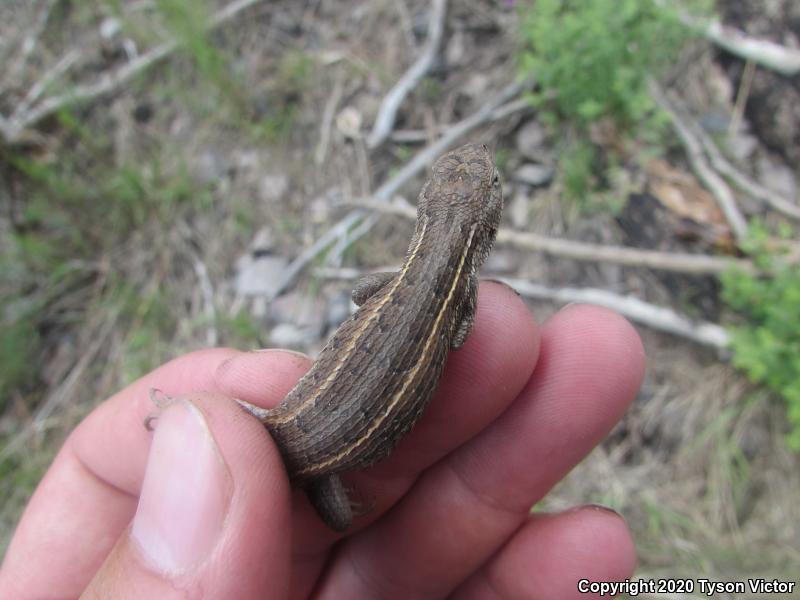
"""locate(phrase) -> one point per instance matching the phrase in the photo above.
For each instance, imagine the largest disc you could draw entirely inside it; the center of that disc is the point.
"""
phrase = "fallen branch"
(696, 264)
(387, 114)
(67, 389)
(12, 128)
(208, 307)
(381, 196)
(739, 179)
(326, 124)
(656, 317)
(694, 151)
(28, 45)
(207, 293)
(49, 77)
(493, 110)
(742, 95)
(679, 262)
(785, 61)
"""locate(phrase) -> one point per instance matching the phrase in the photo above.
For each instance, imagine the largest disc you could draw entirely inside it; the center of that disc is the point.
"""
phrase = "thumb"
(213, 514)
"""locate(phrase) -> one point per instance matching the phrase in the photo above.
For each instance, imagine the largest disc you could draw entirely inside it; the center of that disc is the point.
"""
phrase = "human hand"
(202, 507)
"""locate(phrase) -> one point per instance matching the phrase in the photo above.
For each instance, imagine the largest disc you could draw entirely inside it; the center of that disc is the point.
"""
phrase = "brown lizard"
(376, 375)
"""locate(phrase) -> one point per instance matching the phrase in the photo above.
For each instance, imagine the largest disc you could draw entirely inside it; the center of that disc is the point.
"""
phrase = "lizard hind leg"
(329, 498)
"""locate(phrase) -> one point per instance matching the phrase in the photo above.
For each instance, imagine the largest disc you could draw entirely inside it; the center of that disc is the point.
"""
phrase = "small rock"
(286, 22)
(319, 210)
(742, 145)
(534, 174)
(259, 276)
(281, 309)
(304, 311)
(209, 167)
(131, 51)
(109, 28)
(777, 176)
(273, 187)
(456, 49)
(310, 313)
(180, 125)
(715, 121)
(247, 161)
(338, 310)
(476, 85)
(143, 112)
(287, 335)
(419, 26)
(262, 242)
(518, 209)
(502, 261)
(530, 141)
(348, 122)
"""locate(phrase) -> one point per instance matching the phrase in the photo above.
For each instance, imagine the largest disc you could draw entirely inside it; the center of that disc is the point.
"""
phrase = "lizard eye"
(495, 179)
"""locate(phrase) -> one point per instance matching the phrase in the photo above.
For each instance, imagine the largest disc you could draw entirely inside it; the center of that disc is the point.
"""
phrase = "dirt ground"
(246, 165)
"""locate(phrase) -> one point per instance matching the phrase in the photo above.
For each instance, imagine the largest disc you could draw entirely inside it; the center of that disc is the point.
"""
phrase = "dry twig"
(650, 315)
(738, 178)
(742, 96)
(785, 61)
(495, 108)
(696, 264)
(694, 151)
(50, 76)
(657, 317)
(207, 294)
(67, 389)
(679, 262)
(29, 42)
(326, 124)
(387, 113)
(13, 128)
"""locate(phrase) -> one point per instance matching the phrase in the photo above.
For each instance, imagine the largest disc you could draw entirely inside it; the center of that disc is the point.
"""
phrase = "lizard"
(379, 370)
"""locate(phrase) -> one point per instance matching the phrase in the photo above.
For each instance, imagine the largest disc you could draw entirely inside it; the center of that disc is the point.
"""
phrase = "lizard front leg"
(368, 285)
(466, 313)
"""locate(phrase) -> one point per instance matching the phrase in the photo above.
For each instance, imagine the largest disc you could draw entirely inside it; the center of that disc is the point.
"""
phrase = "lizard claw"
(161, 400)
(358, 505)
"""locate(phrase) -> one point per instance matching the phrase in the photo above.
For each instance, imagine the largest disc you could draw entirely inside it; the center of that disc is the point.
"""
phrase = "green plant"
(577, 161)
(188, 22)
(240, 329)
(280, 106)
(19, 342)
(766, 345)
(592, 58)
(70, 214)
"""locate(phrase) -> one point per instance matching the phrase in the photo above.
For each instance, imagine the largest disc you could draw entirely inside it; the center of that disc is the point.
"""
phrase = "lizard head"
(463, 191)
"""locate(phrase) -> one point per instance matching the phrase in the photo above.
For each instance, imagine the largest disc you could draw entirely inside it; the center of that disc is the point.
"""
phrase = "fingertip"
(503, 345)
(501, 303)
(261, 377)
(598, 355)
(551, 553)
(605, 333)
